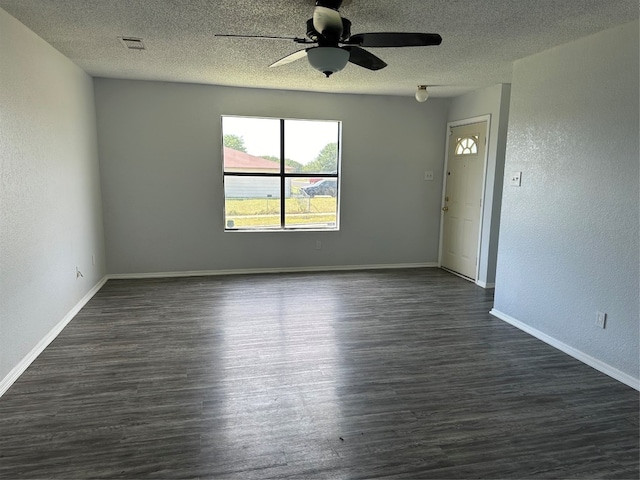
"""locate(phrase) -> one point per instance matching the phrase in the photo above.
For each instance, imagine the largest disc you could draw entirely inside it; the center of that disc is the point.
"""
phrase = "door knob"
(445, 209)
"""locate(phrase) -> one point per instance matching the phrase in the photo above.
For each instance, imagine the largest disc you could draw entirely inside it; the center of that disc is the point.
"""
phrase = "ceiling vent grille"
(132, 43)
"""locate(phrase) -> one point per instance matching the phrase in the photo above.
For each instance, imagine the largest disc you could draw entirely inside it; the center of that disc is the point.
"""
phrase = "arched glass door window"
(467, 145)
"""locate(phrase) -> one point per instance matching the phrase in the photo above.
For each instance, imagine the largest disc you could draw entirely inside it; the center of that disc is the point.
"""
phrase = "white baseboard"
(569, 350)
(19, 369)
(206, 273)
(480, 283)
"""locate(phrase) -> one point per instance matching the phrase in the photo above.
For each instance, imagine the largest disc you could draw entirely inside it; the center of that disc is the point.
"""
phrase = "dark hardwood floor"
(370, 374)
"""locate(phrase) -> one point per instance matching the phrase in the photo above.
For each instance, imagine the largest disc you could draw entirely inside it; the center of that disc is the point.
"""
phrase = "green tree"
(296, 166)
(326, 161)
(234, 141)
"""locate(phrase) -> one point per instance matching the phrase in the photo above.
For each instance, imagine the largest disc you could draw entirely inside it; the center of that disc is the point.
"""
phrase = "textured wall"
(569, 236)
(50, 208)
(161, 166)
(492, 101)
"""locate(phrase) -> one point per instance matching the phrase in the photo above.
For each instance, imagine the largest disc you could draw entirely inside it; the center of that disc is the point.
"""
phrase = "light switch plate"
(516, 179)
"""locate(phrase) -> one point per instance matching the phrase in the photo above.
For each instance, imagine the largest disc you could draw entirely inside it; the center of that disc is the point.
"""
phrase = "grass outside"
(265, 212)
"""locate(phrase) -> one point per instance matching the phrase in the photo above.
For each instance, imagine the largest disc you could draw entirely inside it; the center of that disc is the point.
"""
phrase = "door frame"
(450, 125)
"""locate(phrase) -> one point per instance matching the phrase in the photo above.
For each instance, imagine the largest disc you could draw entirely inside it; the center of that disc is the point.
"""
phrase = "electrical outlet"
(318, 245)
(516, 179)
(428, 175)
(601, 319)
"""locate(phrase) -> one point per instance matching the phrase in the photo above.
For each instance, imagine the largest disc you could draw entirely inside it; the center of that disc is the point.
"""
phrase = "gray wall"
(50, 208)
(160, 160)
(569, 236)
(492, 101)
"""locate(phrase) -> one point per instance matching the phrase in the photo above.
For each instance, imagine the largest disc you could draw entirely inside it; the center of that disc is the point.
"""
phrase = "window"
(280, 174)
(467, 145)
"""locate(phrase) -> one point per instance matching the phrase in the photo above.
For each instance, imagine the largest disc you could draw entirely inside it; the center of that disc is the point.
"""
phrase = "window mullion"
(282, 176)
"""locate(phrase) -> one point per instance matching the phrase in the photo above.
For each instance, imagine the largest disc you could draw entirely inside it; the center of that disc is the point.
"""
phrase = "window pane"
(467, 146)
(313, 203)
(252, 202)
(251, 145)
(311, 145)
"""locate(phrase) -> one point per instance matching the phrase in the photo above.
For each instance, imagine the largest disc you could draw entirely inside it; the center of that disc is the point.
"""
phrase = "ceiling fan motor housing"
(315, 36)
(312, 33)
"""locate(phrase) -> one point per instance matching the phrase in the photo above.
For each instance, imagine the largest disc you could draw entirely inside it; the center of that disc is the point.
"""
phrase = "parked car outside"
(317, 179)
(328, 186)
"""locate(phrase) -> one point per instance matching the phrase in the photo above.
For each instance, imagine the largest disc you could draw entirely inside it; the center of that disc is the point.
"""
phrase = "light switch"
(516, 179)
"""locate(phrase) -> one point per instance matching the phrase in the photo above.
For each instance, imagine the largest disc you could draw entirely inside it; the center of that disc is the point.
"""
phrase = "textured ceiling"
(481, 39)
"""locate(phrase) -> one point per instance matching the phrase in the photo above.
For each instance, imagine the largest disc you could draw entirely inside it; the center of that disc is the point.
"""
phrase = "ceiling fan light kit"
(336, 46)
(328, 60)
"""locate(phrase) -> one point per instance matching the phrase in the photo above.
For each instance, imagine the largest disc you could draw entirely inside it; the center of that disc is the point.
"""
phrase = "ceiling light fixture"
(328, 60)
(422, 94)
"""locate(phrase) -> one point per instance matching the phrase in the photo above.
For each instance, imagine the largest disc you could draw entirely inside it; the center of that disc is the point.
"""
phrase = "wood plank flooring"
(370, 374)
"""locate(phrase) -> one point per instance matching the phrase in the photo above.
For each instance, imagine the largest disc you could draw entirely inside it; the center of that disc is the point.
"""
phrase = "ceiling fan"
(336, 46)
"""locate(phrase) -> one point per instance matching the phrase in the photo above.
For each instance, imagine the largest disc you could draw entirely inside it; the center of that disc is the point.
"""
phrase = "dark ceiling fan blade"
(290, 58)
(363, 58)
(394, 39)
(269, 37)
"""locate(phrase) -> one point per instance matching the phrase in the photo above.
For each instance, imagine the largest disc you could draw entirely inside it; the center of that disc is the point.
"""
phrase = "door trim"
(450, 125)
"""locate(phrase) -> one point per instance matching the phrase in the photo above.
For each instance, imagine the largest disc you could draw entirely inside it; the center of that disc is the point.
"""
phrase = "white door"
(463, 198)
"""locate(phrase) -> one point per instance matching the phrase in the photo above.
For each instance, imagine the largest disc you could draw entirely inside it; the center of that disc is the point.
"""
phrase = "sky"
(304, 139)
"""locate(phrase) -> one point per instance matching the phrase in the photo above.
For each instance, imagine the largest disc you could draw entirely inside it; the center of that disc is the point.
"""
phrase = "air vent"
(132, 43)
